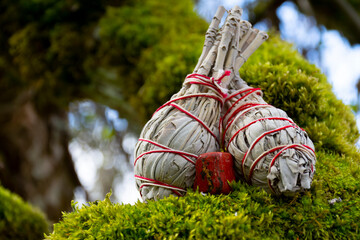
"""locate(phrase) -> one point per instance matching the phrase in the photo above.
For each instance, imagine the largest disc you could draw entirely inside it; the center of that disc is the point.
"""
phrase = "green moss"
(157, 44)
(19, 220)
(246, 213)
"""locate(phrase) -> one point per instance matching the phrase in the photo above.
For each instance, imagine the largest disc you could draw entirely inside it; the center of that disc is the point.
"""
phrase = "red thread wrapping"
(154, 182)
(202, 80)
(250, 91)
(196, 118)
(257, 140)
(166, 149)
(297, 146)
(246, 108)
(257, 120)
(190, 96)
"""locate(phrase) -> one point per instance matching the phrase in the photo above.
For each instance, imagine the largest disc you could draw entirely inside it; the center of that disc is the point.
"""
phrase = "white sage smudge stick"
(188, 124)
(270, 150)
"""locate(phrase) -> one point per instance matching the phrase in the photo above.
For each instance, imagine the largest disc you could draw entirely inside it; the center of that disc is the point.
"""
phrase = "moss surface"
(246, 213)
(18, 219)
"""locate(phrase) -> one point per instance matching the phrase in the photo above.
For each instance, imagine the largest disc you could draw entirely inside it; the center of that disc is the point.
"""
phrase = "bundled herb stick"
(188, 124)
(181, 129)
(270, 150)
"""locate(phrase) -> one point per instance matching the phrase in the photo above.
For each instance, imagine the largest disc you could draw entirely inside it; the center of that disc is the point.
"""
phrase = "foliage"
(118, 53)
(19, 220)
(45, 45)
(157, 43)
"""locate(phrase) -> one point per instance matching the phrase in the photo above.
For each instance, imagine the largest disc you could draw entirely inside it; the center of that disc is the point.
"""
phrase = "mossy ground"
(18, 219)
(290, 83)
(246, 213)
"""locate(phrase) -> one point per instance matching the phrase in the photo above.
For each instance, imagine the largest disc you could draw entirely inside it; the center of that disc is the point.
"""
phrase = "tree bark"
(35, 161)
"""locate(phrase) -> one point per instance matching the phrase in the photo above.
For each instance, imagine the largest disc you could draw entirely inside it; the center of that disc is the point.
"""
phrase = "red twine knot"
(226, 73)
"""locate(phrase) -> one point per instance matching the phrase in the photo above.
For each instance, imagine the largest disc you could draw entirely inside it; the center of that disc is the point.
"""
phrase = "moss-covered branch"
(18, 219)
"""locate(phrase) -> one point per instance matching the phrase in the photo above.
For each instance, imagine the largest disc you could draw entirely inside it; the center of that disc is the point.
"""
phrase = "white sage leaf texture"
(270, 150)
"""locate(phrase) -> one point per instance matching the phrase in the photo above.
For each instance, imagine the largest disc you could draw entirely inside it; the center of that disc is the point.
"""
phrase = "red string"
(203, 80)
(210, 84)
(258, 139)
(163, 151)
(271, 151)
(287, 147)
(259, 158)
(238, 93)
(205, 83)
(279, 153)
(226, 73)
(250, 91)
(190, 96)
(245, 108)
(166, 150)
(160, 184)
(195, 118)
(194, 75)
(251, 123)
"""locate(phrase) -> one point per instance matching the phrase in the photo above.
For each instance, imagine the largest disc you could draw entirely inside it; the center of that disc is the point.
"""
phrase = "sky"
(337, 59)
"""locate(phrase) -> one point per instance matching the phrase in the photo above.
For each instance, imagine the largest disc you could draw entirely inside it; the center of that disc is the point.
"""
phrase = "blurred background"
(79, 79)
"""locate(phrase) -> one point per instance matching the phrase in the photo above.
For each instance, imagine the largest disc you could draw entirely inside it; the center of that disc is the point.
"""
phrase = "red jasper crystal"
(213, 172)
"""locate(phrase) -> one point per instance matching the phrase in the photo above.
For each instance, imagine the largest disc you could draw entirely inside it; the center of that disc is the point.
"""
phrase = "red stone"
(213, 171)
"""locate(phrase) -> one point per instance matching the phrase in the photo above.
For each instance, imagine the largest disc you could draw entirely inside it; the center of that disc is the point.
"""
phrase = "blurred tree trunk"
(35, 161)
